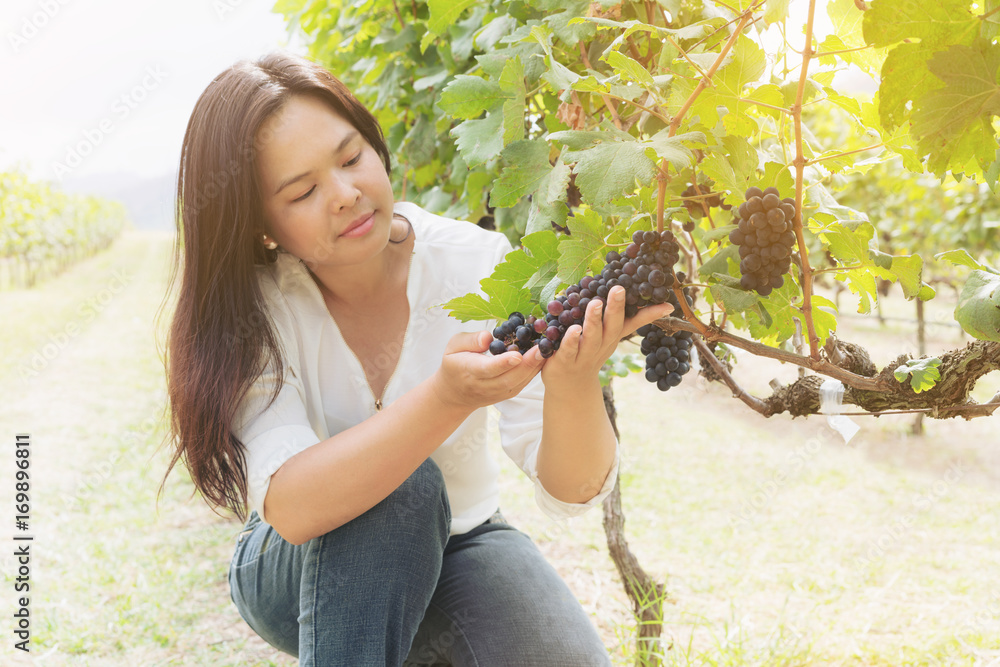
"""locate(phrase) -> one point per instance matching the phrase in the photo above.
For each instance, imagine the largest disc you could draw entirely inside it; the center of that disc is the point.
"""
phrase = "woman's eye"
(305, 195)
(353, 160)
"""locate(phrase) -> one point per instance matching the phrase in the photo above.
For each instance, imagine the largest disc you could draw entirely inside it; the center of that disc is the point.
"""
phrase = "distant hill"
(149, 200)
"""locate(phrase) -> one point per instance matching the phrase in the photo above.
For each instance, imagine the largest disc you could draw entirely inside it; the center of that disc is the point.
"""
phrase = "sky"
(106, 86)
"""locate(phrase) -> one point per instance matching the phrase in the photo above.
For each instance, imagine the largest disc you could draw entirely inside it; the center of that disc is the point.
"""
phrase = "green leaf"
(503, 299)
(719, 264)
(672, 149)
(548, 201)
(444, 13)
(854, 245)
(923, 373)
(527, 163)
(847, 22)
(967, 102)
(467, 97)
(512, 84)
(584, 244)
(733, 167)
(978, 309)
(780, 176)
(747, 66)
(775, 11)
(931, 21)
(961, 257)
(733, 300)
(631, 69)
(479, 141)
(716, 234)
(608, 169)
(905, 77)
(581, 139)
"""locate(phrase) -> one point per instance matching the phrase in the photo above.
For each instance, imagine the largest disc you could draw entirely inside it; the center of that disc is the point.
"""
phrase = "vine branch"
(845, 153)
(761, 350)
(800, 165)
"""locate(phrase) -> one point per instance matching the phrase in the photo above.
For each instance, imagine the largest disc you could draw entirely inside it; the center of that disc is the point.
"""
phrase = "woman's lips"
(359, 227)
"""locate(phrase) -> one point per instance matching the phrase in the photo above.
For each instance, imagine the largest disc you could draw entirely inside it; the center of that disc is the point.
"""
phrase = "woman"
(313, 381)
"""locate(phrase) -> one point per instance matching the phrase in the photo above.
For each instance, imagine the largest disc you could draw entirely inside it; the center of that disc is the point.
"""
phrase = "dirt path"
(114, 582)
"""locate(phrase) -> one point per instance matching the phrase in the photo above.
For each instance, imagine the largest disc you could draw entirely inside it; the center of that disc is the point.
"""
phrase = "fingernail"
(512, 361)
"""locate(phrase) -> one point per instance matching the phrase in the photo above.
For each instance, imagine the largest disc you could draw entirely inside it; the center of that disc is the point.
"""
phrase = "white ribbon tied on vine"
(831, 402)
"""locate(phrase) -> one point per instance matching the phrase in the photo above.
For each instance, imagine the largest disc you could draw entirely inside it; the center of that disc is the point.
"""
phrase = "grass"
(778, 543)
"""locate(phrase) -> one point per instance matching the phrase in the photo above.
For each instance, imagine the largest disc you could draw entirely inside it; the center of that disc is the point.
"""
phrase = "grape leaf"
(719, 263)
(527, 164)
(584, 244)
(747, 66)
(733, 300)
(631, 69)
(581, 139)
(479, 141)
(933, 22)
(970, 98)
(519, 266)
(606, 170)
(444, 13)
(672, 149)
(855, 246)
(978, 309)
(847, 22)
(779, 176)
(716, 234)
(775, 11)
(491, 33)
(733, 167)
(467, 97)
(512, 84)
(503, 299)
(961, 257)
(904, 77)
(563, 25)
(548, 201)
(923, 373)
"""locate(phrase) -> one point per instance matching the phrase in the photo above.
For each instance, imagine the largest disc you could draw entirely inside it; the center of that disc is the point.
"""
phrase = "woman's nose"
(344, 194)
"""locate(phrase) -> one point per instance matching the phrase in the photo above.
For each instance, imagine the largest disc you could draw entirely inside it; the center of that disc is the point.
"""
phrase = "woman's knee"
(421, 499)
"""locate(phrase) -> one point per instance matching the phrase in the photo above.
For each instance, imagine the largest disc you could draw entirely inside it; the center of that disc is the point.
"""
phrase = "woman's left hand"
(584, 350)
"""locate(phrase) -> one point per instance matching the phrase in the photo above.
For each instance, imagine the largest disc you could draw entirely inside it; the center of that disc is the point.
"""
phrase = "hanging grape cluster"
(765, 239)
(668, 356)
(644, 269)
(693, 199)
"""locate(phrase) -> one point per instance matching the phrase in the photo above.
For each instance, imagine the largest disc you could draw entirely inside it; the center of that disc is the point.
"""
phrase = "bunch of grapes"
(667, 355)
(765, 239)
(520, 334)
(645, 270)
(694, 207)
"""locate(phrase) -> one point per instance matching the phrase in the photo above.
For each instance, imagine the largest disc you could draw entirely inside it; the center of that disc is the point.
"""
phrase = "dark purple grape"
(545, 348)
(497, 347)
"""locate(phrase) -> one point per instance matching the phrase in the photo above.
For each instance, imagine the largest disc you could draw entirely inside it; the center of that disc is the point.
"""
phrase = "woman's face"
(327, 199)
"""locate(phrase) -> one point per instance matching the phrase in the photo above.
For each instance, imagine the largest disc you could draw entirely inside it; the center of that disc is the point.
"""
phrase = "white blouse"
(325, 390)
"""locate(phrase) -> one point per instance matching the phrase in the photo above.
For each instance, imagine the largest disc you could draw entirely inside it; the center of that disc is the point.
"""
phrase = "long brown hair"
(221, 339)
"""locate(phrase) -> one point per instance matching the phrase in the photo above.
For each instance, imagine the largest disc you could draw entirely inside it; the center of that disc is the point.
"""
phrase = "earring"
(270, 245)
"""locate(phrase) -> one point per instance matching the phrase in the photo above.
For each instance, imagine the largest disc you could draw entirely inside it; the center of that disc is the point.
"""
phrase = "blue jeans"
(391, 588)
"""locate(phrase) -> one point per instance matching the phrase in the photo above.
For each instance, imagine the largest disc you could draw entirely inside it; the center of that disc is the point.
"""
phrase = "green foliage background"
(553, 114)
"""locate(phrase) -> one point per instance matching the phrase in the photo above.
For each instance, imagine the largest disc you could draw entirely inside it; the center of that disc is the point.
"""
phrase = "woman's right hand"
(469, 379)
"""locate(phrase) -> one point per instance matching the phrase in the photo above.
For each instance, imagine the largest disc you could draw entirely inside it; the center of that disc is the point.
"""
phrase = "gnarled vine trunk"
(647, 594)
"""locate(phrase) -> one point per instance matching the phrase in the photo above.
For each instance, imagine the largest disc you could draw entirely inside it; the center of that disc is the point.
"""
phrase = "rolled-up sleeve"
(521, 437)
